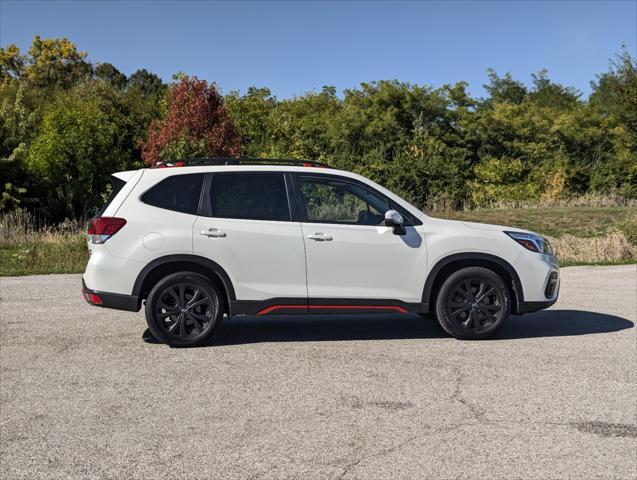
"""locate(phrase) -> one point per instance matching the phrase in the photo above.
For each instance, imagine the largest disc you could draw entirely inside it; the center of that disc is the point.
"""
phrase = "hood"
(494, 228)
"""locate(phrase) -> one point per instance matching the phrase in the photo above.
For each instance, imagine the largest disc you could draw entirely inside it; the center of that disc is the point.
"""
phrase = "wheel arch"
(452, 263)
(160, 267)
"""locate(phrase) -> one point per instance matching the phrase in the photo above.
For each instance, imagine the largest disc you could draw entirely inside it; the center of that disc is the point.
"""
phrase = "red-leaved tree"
(195, 125)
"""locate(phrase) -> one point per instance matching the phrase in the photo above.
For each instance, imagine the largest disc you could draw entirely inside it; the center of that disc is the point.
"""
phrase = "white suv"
(256, 237)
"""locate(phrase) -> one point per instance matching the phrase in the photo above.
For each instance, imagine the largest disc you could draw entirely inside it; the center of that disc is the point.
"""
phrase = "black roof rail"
(197, 162)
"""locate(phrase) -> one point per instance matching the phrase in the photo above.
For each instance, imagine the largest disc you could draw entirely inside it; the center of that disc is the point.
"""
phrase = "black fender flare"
(467, 257)
(206, 263)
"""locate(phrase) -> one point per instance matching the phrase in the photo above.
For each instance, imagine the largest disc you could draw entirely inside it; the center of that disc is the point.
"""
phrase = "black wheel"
(473, 303)
(183, 309)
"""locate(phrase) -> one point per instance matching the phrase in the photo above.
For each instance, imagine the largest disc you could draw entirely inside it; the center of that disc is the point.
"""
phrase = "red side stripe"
(398, 309)
(267, 310)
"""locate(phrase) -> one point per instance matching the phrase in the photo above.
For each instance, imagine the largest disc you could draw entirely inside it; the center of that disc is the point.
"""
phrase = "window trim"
(303, 211)
(205, 206)
(203, 184)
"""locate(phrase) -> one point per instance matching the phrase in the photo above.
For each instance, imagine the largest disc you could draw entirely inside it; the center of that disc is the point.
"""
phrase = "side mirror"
(395, 220)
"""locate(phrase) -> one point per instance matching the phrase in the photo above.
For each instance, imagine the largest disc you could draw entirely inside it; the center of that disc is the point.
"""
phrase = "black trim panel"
(331, 306)
(528, 307)
(117, 301)
(252, 307)
(411, 307)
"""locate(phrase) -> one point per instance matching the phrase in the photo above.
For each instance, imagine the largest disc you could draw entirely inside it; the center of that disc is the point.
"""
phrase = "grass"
(62, 254)
(29, 246)
(581, 235)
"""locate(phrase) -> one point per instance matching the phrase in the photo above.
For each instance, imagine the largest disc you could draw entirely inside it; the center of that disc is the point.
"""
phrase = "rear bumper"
(117, 301)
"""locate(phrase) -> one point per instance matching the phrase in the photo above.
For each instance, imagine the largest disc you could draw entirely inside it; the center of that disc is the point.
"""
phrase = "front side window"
(178, 192)
(258, 196)
(335, 201)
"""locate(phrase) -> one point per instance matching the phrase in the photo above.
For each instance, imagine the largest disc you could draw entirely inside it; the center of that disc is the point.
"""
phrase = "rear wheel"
(473, 303)
(183, 309)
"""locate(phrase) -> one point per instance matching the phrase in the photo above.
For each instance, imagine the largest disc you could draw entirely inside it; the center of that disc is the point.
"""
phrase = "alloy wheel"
(184, 310)
(475, 304)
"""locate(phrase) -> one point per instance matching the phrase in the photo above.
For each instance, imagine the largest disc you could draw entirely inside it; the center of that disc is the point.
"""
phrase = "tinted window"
(260, 196)
(179, 192)
(336, 201)
(116, 185)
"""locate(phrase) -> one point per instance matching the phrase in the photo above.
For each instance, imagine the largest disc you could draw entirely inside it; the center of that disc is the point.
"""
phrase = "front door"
(350, 253)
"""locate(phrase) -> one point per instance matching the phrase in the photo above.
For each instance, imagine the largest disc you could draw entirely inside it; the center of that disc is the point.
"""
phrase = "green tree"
(17, 124)
(252, 114)
(615, 98)
(549, 94)
(108, 72)
(306, 126)
(82, 140)
(12, 63)
(146, 83)
(55, 63)
(505, 89)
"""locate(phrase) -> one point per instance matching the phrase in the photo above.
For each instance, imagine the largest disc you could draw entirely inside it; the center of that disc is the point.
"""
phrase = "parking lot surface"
(83, 395)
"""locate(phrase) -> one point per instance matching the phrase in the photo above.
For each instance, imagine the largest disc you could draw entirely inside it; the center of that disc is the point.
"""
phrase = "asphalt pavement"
(85, 394)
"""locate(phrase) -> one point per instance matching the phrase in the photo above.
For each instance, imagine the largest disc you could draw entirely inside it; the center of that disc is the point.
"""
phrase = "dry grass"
(21, 226)
(609, 249)
(29, 247)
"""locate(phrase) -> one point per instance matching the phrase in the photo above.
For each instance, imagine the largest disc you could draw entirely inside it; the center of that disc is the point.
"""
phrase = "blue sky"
(295, 47)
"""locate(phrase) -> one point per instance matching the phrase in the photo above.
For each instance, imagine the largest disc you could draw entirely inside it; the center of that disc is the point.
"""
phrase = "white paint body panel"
(364, 262)
(263, 259)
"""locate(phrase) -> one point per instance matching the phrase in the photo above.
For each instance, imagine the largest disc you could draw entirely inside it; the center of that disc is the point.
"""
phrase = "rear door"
(246, 225)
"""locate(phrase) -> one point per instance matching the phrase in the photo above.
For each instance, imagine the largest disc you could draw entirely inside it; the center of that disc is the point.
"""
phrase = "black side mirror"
(395, 220)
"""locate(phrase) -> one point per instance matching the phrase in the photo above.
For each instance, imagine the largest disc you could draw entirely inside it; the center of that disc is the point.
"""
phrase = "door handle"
(320, 237)
(213, 233)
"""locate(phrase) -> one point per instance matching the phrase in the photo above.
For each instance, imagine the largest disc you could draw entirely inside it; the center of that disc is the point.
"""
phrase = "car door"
(245, 225)
(350, 253)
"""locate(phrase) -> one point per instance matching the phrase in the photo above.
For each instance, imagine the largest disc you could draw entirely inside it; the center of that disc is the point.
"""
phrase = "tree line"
(66, 124)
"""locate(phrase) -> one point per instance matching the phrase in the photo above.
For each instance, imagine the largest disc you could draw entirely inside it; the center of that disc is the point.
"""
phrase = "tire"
(183, 309)
(473, 303)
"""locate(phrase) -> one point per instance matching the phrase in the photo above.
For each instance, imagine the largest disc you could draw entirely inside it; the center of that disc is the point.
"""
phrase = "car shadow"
(316, 328)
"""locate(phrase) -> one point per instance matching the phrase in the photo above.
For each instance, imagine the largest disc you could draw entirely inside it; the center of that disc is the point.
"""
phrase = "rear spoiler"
(125, 176)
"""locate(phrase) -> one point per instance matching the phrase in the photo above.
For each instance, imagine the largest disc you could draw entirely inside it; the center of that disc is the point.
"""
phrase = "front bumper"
(528, 307)
(117, 301)
(551, 286)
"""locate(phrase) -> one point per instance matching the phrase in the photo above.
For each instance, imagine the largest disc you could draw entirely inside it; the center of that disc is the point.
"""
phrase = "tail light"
(91, 298)
(102, 228)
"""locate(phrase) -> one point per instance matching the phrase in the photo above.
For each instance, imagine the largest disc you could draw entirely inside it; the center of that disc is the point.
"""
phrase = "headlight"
(532, 242)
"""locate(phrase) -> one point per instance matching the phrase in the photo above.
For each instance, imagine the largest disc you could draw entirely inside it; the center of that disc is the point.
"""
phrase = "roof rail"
(197, 162)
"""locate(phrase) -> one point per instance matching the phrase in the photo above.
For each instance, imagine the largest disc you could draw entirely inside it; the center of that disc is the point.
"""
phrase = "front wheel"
(473, 303)
(183, 309)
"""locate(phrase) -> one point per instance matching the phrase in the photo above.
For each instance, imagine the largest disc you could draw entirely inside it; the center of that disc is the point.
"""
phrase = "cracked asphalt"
(83, 395)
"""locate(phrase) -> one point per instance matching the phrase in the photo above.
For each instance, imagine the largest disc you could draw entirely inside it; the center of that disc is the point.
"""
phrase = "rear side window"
(259, 196)
(179, 193)
(116, 185)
